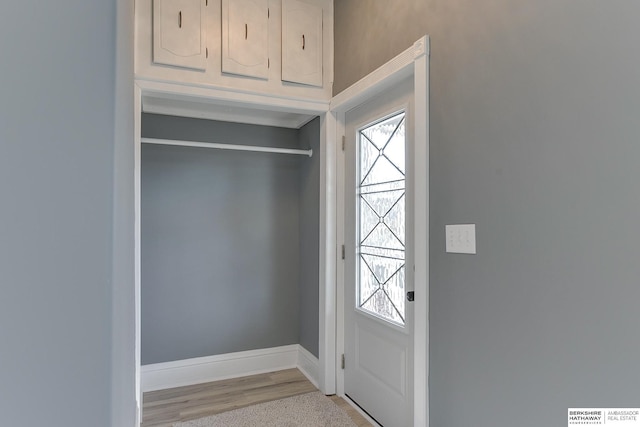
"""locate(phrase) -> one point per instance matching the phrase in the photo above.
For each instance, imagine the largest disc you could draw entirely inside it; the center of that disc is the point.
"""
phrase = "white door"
(379, 256)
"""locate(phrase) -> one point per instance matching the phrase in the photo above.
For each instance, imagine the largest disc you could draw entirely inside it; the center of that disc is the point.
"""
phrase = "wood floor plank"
(162, 408)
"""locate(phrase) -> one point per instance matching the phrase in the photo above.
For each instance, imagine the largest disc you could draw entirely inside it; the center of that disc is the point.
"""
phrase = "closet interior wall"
(230, 240)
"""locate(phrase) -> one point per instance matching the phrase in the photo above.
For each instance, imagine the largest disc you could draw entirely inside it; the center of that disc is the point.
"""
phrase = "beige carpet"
(305, 410)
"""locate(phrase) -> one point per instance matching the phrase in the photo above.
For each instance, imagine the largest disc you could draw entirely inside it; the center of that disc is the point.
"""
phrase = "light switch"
(461, 238)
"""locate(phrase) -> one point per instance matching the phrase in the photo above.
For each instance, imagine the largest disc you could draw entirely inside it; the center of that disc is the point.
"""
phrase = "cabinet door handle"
(303, 42)
(180, 19)
(246, 31)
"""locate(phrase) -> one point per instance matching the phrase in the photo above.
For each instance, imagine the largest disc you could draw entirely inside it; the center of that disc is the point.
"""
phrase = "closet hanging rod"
(225, 146)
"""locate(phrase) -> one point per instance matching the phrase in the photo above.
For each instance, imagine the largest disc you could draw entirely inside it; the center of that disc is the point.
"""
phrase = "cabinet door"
(179, 33)
(301, 43)
(245, 37)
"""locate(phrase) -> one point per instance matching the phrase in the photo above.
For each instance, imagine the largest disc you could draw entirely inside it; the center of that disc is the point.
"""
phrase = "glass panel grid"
(381, 219)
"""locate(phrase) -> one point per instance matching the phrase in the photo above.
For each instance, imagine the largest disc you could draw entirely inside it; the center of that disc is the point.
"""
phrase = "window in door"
(381, 219)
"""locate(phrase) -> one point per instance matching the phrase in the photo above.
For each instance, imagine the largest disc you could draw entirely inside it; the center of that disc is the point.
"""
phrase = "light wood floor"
(162, 408)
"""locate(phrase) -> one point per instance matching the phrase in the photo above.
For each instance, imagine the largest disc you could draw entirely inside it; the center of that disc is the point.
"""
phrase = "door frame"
(413, 62)
(179, 92)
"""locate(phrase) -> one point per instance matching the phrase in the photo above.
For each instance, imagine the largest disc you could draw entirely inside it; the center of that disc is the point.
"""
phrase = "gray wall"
(220, 233)
(56, 183)
(534, 137)
(369, 33)
(310, 238)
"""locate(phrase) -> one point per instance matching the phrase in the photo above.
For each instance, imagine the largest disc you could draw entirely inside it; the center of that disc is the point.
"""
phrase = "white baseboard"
(198, 370)
(308, 365)
(214, 368)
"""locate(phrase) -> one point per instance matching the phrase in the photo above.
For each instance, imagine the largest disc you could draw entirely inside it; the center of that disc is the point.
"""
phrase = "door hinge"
(342, 364)
(343, 142)
(343, 252)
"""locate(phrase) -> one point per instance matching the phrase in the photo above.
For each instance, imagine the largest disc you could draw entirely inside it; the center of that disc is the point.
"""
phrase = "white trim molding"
(328, 251)
(384, 77)
(230, 97)
(137, 245)
(160, 376)
(421, 234)
(309, 365)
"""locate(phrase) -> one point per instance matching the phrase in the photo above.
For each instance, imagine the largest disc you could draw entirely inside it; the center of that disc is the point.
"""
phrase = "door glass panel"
(381, 218)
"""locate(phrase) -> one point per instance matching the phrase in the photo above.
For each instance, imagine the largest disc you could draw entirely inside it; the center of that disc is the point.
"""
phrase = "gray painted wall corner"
(309, 137)
(123, 393)
(220, 241)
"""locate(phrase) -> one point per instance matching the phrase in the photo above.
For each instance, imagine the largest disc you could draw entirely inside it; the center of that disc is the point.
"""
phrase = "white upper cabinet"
(179, 33)
(301, 43)
(245, 37)
(280, 48)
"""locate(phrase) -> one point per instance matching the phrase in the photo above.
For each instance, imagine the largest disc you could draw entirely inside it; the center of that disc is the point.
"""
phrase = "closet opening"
(229, 245)
(234, 249)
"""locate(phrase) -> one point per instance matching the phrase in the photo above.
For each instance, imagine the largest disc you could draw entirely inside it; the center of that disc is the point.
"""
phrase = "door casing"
(412, 62)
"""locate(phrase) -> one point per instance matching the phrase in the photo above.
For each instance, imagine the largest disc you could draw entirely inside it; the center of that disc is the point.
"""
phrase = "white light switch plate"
(461, 238)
